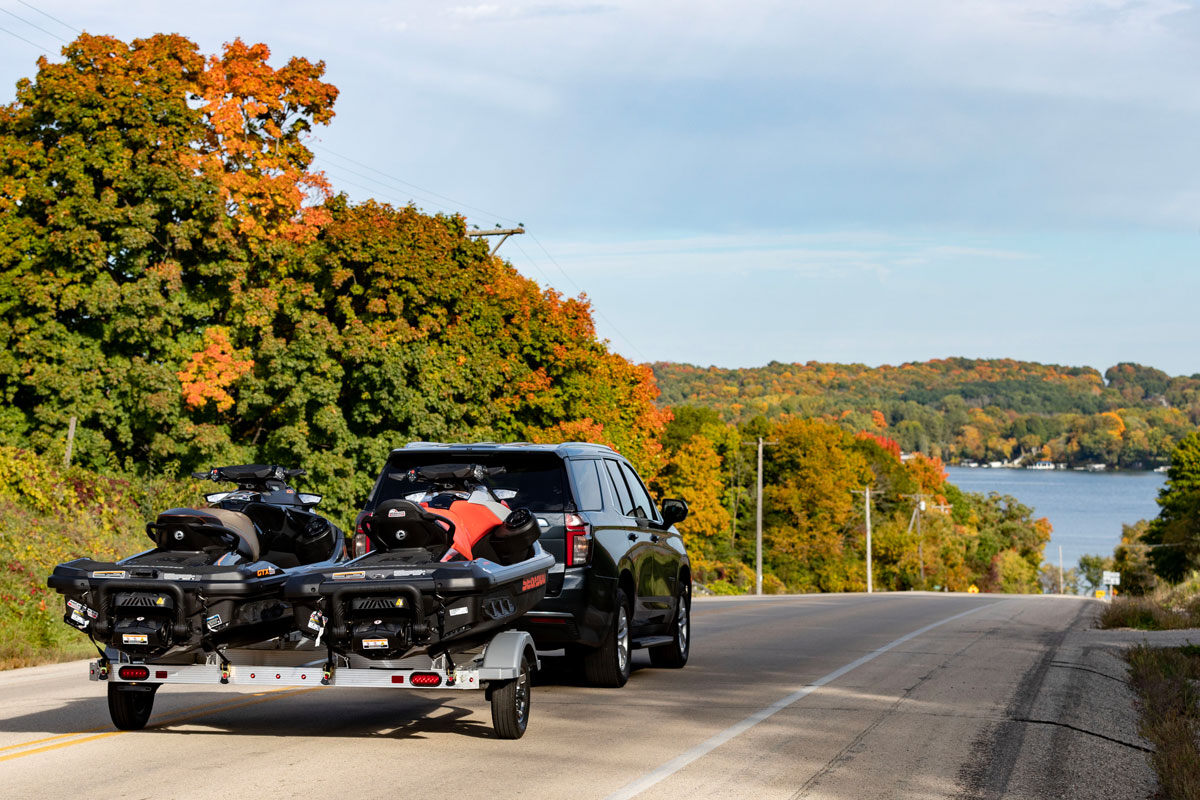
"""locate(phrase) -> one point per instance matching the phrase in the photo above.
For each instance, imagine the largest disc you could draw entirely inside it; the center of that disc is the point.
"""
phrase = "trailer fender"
(502, 661)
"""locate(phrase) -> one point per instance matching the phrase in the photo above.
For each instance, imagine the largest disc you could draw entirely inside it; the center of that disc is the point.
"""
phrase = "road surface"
(825, 696)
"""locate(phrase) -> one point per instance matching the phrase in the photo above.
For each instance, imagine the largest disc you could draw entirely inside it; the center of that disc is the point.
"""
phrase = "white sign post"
(1109, 580)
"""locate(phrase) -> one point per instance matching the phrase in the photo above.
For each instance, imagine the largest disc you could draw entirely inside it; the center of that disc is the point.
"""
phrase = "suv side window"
(587, 484)
(621, 491)
(643, 505)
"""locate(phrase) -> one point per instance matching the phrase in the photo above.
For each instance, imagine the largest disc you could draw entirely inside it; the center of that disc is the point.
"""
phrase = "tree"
(1092, 569)
(1131, 558)
(1175, 533)
(173, 274)
(133, 177)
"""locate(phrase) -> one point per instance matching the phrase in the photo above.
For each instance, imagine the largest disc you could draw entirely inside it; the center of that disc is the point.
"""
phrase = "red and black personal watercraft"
(215, 576)
(449, 565)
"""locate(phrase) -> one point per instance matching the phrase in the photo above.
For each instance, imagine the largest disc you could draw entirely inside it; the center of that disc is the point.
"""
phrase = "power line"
(23, 39)
(579, 289)
(537, 241)
(49, 16)
(429, 192)
(387, 193)
(32, 25)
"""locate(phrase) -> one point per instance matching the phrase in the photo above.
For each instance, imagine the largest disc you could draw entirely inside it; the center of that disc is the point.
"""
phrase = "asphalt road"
(827, 696)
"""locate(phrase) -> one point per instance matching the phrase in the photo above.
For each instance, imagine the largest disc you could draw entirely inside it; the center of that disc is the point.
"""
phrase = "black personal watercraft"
(215, 575)
(449, 565)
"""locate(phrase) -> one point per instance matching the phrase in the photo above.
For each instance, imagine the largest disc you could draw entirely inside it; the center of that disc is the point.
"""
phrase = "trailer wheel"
(675, 654)
(510, 704)
(130, 706)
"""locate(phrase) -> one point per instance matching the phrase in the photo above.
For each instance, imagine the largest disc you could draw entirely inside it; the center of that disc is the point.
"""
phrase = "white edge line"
(680, 761)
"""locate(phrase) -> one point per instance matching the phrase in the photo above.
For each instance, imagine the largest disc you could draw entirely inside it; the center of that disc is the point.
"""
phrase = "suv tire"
(609, 664)
(675, 654)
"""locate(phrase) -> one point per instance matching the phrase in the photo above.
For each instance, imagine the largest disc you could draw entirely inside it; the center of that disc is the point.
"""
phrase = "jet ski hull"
(149, 610)
(386, 605)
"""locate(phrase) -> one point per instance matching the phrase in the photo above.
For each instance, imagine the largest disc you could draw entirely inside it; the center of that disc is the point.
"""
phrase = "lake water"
(1085, 508)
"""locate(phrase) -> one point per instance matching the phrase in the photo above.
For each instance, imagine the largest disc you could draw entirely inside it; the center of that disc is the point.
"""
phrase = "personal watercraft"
(215, 576)
(449, 565)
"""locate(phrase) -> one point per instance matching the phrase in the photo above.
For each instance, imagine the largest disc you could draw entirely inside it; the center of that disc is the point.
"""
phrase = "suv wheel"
(609, 664)
(675, 654)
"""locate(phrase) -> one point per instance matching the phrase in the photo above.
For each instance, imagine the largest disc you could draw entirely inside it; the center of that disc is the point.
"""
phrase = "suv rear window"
(537, 478)
(587, 483)
(624, 500)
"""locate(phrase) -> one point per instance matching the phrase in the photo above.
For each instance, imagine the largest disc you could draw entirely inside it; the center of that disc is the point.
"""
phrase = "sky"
(738, 183)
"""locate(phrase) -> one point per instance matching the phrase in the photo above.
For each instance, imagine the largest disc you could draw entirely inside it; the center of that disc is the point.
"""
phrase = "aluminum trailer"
(501, 669)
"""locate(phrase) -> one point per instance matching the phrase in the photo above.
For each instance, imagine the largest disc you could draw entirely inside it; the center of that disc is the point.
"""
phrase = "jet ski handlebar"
(249, 475)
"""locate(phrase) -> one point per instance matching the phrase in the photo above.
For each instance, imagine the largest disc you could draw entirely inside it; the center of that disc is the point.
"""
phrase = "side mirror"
(674, 511)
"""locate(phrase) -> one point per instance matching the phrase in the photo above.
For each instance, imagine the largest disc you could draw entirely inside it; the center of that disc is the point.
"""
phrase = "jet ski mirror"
(308, 499)
(217, 497)
(505, 494)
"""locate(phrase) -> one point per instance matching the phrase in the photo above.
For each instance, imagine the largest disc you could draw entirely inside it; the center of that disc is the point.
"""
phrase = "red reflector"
(547, 620)
(425, 679)
(134, 673)
(397, 679)
(161, 674)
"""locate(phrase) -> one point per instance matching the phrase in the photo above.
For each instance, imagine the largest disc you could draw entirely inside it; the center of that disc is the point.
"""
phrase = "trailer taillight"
(425, 679)
(579, 541)
(134, 673)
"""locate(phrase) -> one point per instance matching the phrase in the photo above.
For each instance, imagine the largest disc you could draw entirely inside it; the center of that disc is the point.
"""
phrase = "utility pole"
(916, 517)
(758, 575)
(866, 493)
(70, 442)
(1060, 570)
(503, 233)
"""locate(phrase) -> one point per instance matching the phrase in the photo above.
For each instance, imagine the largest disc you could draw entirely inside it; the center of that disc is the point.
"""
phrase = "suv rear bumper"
(580, 614)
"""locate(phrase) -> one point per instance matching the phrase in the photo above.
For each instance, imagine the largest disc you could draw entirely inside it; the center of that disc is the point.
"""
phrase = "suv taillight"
(579, 541)
(360, 545)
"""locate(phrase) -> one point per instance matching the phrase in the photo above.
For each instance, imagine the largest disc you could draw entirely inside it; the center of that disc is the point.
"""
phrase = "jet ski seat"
(200, 528)
(399, 524)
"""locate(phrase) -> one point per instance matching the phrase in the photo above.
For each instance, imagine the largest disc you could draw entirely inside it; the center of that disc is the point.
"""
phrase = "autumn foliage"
(179, 279)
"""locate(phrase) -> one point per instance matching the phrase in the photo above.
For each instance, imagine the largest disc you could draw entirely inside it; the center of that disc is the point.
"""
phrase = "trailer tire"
(130, 706)
(510, 703)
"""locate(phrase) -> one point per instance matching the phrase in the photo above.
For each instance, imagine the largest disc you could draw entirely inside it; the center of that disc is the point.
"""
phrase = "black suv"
(622, 578)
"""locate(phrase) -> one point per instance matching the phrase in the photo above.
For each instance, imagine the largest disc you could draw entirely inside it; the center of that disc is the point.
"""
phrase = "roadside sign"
(1111, 578)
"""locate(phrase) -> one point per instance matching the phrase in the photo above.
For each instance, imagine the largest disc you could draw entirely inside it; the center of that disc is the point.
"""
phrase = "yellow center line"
(183, 715)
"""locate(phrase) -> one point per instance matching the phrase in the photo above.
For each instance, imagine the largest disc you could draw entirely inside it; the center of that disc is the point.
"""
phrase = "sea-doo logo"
(401, 536)
(178, 536)
(533, 583)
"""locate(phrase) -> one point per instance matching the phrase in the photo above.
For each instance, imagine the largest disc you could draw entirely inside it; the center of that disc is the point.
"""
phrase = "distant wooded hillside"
(961, 408)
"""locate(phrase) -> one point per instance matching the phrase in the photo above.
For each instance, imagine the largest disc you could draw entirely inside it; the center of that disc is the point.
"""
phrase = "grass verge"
(1166, 682)
(1166, 609)
(49, 515)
